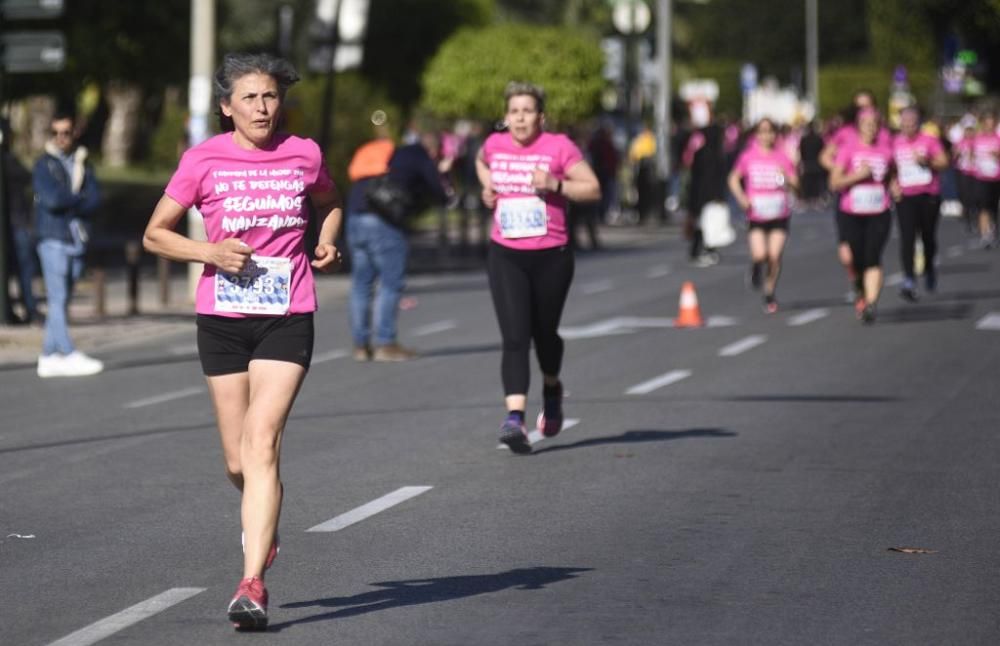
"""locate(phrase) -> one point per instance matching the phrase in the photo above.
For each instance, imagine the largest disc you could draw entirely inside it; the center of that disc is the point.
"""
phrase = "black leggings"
(867, 236)
(529, 290)
(918, 213)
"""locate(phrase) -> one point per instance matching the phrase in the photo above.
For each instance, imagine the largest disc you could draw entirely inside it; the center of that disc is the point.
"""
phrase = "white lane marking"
(535, 436)
(893, 279)
(809, 316)
(954, 251)
(369, 509)
(647, 387)
(630, 324)
(165, 397)
(989, 322)
(658, 271)
(330, 356)
(741, 346)
(108, 626)
(434, 328)
(179, 350)
(597, 287)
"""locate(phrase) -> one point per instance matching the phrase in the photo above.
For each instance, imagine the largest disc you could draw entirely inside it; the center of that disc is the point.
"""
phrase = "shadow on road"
(633, 437)
(398, 594)
(925, 313)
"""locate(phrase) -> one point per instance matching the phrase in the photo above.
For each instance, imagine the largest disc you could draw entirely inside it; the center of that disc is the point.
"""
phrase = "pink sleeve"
(741, 164)
(843, 158)
(787, 165)
(183, 186)
(695, 142)
(323, 183)
(570, 154)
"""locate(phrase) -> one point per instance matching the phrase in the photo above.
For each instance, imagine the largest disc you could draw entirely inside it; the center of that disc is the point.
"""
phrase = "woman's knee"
(260, 446)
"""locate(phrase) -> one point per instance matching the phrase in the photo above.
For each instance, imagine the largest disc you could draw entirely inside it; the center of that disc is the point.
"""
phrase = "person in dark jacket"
(22, 230)
(66, 194)
(706, 157)
(378, 248)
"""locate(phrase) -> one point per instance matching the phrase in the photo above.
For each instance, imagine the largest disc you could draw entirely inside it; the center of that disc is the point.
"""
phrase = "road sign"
(631, 16)
(31, 9)
(33, 51)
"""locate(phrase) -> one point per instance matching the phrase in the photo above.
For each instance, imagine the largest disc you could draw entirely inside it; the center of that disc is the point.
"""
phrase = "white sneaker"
(50, 365)
(75, 364)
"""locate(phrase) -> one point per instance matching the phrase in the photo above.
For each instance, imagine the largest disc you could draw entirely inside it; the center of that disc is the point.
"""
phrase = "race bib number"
(867, 199)
(988, 166)
(913, 174)
(768, 206)
(522, 217)
(262, 288)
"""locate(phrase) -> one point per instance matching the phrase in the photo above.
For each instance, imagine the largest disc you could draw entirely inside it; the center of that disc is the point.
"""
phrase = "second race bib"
(262, 288)
(522, 217)
(867, 199)
(913, 174)
(768, 206)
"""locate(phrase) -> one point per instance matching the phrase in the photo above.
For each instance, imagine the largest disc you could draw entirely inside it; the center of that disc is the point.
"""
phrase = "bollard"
(163, 276)
(132, 256)
(100, 286)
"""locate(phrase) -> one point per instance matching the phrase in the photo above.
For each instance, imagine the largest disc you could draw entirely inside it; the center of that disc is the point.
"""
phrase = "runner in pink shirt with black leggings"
(527, 176)
(861, 174)
(919, 158)
(760, 181)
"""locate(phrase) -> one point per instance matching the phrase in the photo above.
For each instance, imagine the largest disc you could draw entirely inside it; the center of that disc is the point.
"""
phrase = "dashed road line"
(369, 509)
(434, 328)
(809, 316)
(894, 279)
(656, 383)
(108, 626)
(954, 251)
(165, 397)
(989, 322)
(323, 357)
(658, 271)
(743, 345)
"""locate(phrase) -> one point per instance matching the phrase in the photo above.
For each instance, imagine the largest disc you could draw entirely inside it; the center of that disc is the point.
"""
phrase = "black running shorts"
(227, 345)
(781, 224)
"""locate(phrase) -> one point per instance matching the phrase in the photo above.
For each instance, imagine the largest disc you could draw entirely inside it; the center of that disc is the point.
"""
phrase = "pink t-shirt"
(871, 196)
(524, 218)
(986, 156)
(964, 161)
(764, 172)
(914, 178)
(258, 196)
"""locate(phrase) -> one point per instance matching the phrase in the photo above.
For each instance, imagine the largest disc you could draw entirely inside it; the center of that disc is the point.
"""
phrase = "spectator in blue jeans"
(379, 249)
(66, 194)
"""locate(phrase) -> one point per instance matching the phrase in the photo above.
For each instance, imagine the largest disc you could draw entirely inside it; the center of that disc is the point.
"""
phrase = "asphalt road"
(743, 483)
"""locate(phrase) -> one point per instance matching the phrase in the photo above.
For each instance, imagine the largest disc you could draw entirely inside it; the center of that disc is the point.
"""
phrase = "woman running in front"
(845, 136)
(919, 158)
(861, 174)
(760, 181)
(527, 176)
(256, 296)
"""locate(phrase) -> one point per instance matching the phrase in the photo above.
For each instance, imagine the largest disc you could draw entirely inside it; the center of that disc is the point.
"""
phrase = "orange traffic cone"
(689, 314)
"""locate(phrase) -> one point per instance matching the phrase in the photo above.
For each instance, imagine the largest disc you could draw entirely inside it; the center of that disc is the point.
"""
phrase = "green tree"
(403, 35)
(467, 77)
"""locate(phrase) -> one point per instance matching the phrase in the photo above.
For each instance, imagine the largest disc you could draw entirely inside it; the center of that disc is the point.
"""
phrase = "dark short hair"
(519, 88)
(63, 114)
(236, 65)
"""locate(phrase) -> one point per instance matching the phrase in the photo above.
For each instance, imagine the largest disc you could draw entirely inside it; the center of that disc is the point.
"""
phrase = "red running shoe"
(248, 609)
